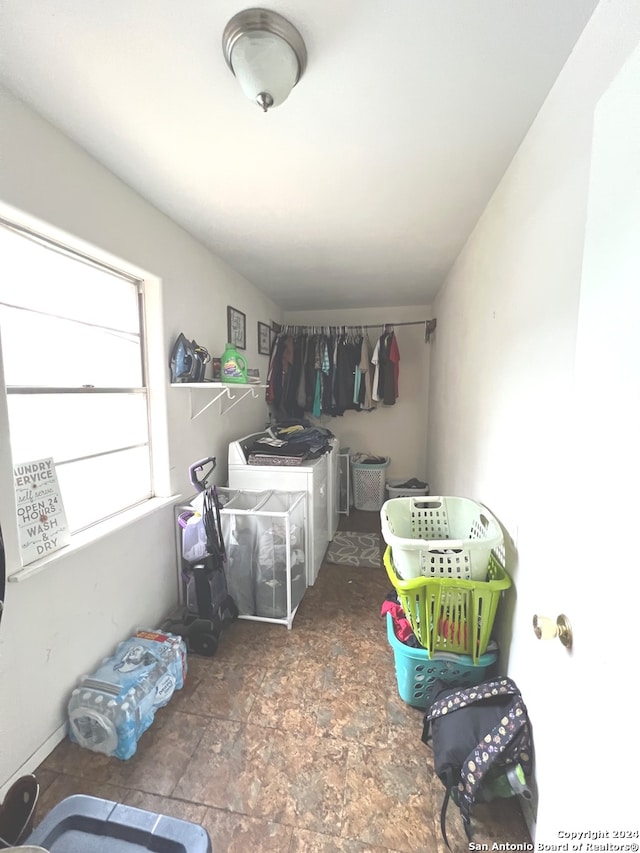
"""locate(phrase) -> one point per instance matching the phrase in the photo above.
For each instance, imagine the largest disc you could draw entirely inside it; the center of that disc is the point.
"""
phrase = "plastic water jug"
(113, 707)
(234, 367)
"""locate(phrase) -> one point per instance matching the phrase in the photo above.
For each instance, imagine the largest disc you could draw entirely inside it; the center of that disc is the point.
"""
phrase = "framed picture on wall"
(264, 339)
(236, 328)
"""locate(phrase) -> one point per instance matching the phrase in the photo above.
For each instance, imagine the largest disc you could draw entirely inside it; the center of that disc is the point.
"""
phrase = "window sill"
(88, 537)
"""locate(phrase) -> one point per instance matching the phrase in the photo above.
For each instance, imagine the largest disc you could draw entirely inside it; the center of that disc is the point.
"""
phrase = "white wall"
(395, 431)
(61, 622)
(503, 428)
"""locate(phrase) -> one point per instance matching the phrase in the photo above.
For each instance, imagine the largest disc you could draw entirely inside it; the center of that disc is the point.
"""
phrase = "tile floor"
(291, 741)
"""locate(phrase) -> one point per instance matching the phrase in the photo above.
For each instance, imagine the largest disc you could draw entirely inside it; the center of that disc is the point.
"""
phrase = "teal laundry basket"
(416, 670)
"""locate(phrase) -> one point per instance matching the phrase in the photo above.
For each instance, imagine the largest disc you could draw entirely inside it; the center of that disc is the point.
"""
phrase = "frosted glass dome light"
(266, 54)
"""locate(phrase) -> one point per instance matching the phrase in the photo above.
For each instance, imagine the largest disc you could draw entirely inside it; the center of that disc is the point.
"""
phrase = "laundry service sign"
(42, 523)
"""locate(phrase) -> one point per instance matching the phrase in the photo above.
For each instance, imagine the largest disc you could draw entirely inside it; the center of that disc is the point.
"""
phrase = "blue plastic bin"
(82, 824)
(416, 671)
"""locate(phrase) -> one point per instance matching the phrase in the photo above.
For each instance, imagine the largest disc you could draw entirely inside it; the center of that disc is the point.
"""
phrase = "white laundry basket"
(398, 489)
(445, 537)
(369, 480)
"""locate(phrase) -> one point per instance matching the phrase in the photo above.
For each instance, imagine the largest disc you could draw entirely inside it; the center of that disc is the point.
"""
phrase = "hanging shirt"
(310, 374)
(292, 381)
(383, 364)
(287, 362)
(391, 366)
(375, 361)
(334, 373)
(357, 373)
(317, 366)
(325, 374)
(270, 393)
(301, 391)
(394, 355)
(317, 408)
(356, 384)
(365, 369)
(346, 369)
(274, 391)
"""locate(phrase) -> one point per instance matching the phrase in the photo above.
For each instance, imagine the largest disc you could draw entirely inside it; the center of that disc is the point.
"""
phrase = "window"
(74, 370)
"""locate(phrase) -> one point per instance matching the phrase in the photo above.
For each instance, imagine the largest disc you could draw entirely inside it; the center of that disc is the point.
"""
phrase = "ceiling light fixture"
(266, 54)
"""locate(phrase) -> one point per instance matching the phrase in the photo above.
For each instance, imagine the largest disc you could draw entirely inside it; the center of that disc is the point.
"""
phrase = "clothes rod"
(429, 326)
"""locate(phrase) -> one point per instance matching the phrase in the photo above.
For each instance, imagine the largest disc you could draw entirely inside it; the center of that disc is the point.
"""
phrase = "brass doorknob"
(546, 629)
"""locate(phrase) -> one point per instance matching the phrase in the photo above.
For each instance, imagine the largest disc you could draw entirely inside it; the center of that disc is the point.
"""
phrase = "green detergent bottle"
(234, 367)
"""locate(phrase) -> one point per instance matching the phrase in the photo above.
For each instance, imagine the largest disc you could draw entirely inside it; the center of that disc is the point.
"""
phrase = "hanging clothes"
(329, 371)
(301, 392)
(348, 359)
(375, 361)
(394, 355)
(366, 401)
(386, 359)
(391, 364)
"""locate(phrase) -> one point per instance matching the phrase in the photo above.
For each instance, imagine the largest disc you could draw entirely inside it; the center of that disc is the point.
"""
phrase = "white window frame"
(155, 372)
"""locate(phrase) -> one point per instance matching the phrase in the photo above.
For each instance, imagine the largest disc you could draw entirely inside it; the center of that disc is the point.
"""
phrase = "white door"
(589, 712)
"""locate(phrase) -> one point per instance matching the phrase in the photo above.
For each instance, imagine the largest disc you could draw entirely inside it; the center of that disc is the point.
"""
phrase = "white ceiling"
(363, 186)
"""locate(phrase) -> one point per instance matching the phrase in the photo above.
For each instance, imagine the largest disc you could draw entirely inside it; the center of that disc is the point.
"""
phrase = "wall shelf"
(222, 391)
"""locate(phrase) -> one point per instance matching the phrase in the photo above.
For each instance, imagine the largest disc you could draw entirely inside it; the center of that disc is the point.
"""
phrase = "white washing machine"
(318, 478)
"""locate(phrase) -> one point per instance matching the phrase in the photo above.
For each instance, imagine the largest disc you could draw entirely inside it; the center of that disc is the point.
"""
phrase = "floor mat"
(350, 548)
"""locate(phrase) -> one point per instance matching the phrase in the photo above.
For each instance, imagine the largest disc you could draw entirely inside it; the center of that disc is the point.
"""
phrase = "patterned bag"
(477, 734)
